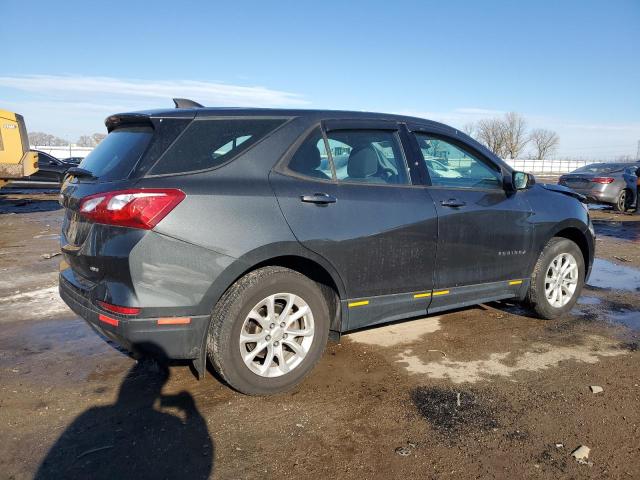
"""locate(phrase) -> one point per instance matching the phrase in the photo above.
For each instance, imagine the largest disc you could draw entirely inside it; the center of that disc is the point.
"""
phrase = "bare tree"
(515, 134)
(470, 129)
(85, 141)
(544, 142)
(97, 138)
(491, 133)
(45, 139)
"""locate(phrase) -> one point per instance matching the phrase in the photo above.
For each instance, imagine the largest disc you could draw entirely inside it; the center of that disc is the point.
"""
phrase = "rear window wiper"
(80, 172)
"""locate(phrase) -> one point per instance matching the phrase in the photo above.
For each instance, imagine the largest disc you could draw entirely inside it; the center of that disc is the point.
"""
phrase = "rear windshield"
(207, 144)
(118, 153)
(601, 168)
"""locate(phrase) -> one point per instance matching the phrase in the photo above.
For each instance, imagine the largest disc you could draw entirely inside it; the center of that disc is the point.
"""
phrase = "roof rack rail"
(186, 103)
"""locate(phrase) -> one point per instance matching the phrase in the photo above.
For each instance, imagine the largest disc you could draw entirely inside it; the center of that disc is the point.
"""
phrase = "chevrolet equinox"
(247, 237)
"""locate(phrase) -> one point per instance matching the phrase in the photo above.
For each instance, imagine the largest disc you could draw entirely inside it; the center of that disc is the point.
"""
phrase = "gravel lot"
(483, 392)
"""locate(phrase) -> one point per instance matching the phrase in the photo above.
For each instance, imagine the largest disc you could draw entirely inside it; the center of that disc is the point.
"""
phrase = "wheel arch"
(292, 256)
(581, 238)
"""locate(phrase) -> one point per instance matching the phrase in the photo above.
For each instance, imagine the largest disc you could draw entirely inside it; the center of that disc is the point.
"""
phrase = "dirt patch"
(453, 412)
(541, 356)
(398, 333)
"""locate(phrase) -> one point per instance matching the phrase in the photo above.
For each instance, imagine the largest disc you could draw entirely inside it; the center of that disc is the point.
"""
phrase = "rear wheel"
(268, 331)
(557, 279)
(621, 204)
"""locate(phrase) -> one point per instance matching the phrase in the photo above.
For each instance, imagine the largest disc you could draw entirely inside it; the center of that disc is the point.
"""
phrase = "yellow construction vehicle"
(16, 160)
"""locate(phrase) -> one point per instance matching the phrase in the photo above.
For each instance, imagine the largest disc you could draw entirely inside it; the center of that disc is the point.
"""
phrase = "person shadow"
(133, 438)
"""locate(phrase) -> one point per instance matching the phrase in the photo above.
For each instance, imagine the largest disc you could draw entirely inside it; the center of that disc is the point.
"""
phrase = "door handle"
(453, 202)
(319, 198)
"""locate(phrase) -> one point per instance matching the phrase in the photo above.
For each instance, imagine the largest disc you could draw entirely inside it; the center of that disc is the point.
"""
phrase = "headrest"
(363, 162)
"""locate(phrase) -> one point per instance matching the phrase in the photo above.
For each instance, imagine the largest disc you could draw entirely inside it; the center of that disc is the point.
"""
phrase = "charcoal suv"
(249, 236)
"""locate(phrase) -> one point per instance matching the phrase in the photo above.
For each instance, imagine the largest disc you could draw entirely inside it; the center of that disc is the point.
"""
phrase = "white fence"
(547, 166)
(64, 151)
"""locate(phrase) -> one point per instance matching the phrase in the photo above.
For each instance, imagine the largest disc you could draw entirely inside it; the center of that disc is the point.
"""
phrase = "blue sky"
(571, 66)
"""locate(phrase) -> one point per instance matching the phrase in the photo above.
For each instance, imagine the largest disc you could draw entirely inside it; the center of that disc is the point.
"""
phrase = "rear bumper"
(141, 335)
(598, 196)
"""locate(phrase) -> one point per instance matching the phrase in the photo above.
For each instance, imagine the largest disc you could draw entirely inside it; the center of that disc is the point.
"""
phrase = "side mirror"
(521, 180)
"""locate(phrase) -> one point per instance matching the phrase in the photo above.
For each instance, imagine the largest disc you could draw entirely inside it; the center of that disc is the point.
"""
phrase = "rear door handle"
(453, 202)
(319, 198)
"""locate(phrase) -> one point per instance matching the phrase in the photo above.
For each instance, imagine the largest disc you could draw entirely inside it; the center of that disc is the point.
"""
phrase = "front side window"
(210, 143)
(367, 156)
(311, 159)
(450, 166)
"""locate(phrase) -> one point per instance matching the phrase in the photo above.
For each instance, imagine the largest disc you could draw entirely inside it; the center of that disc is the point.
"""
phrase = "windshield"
(118, 153)
(601, 168)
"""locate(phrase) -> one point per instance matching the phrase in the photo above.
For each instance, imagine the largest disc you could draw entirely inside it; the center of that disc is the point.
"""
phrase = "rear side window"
(311, 159)
(207, 144)
(367, 156)
(118, 153)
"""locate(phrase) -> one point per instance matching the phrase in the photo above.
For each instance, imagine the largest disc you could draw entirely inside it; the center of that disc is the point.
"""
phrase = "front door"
(484, 234)
(349, 198)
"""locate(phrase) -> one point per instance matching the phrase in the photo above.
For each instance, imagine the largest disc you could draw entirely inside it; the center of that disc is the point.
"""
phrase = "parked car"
(50, 169)
(72, 160)
(606, 183)
(230, 235)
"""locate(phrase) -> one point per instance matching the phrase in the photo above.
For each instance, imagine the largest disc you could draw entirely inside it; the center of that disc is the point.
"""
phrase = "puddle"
(608, 275)
(397, 334)
(627, 318)
(505, 364)
(589, 301)
(611, 228)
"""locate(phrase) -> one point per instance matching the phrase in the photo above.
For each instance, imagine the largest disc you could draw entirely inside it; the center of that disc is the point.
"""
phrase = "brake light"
(119, 309)
(136, 208)
(605, 180)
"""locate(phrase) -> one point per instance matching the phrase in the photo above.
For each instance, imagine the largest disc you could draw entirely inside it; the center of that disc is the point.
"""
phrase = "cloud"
(86, 88)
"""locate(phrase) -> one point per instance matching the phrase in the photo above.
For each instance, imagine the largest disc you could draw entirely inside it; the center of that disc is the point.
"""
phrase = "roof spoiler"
(186, 103)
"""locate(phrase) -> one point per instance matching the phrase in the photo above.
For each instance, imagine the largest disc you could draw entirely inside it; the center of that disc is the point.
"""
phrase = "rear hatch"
(133, 145)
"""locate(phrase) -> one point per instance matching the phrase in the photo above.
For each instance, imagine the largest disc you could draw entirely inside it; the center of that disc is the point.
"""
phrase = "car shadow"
(136, 437)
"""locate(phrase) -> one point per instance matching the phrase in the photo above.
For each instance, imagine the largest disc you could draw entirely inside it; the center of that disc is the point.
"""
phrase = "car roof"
(311, 114)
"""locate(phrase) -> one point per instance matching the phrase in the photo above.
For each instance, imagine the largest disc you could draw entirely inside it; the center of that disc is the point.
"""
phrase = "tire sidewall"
(557, 248)
(235, 370)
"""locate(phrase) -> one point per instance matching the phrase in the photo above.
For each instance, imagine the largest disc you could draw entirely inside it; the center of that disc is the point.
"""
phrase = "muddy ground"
(484, 392)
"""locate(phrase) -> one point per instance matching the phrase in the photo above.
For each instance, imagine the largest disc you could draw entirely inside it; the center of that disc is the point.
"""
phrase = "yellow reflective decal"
(422, 295)
(359, 304)
(441, 292)
(515, 282)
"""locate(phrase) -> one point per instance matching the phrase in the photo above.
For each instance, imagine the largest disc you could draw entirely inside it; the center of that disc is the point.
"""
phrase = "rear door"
(484, 234)
(349, 196)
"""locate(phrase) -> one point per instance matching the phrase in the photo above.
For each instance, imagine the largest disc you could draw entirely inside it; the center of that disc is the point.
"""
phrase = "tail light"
(604, 180)
(137, 208)
(118, 309)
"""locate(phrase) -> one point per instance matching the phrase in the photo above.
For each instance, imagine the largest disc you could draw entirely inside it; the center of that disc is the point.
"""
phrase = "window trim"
(456, 142)
(287, 120)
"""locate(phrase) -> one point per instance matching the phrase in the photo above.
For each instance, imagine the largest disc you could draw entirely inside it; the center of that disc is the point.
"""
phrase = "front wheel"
(557, 279)
(268, 331)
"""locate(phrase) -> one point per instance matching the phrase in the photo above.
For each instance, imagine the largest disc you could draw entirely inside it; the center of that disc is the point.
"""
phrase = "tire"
(537, 294)
(230, 318)
(621, 204)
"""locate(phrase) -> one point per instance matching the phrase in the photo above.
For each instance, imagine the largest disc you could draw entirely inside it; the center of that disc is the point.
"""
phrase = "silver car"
(608, 183)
